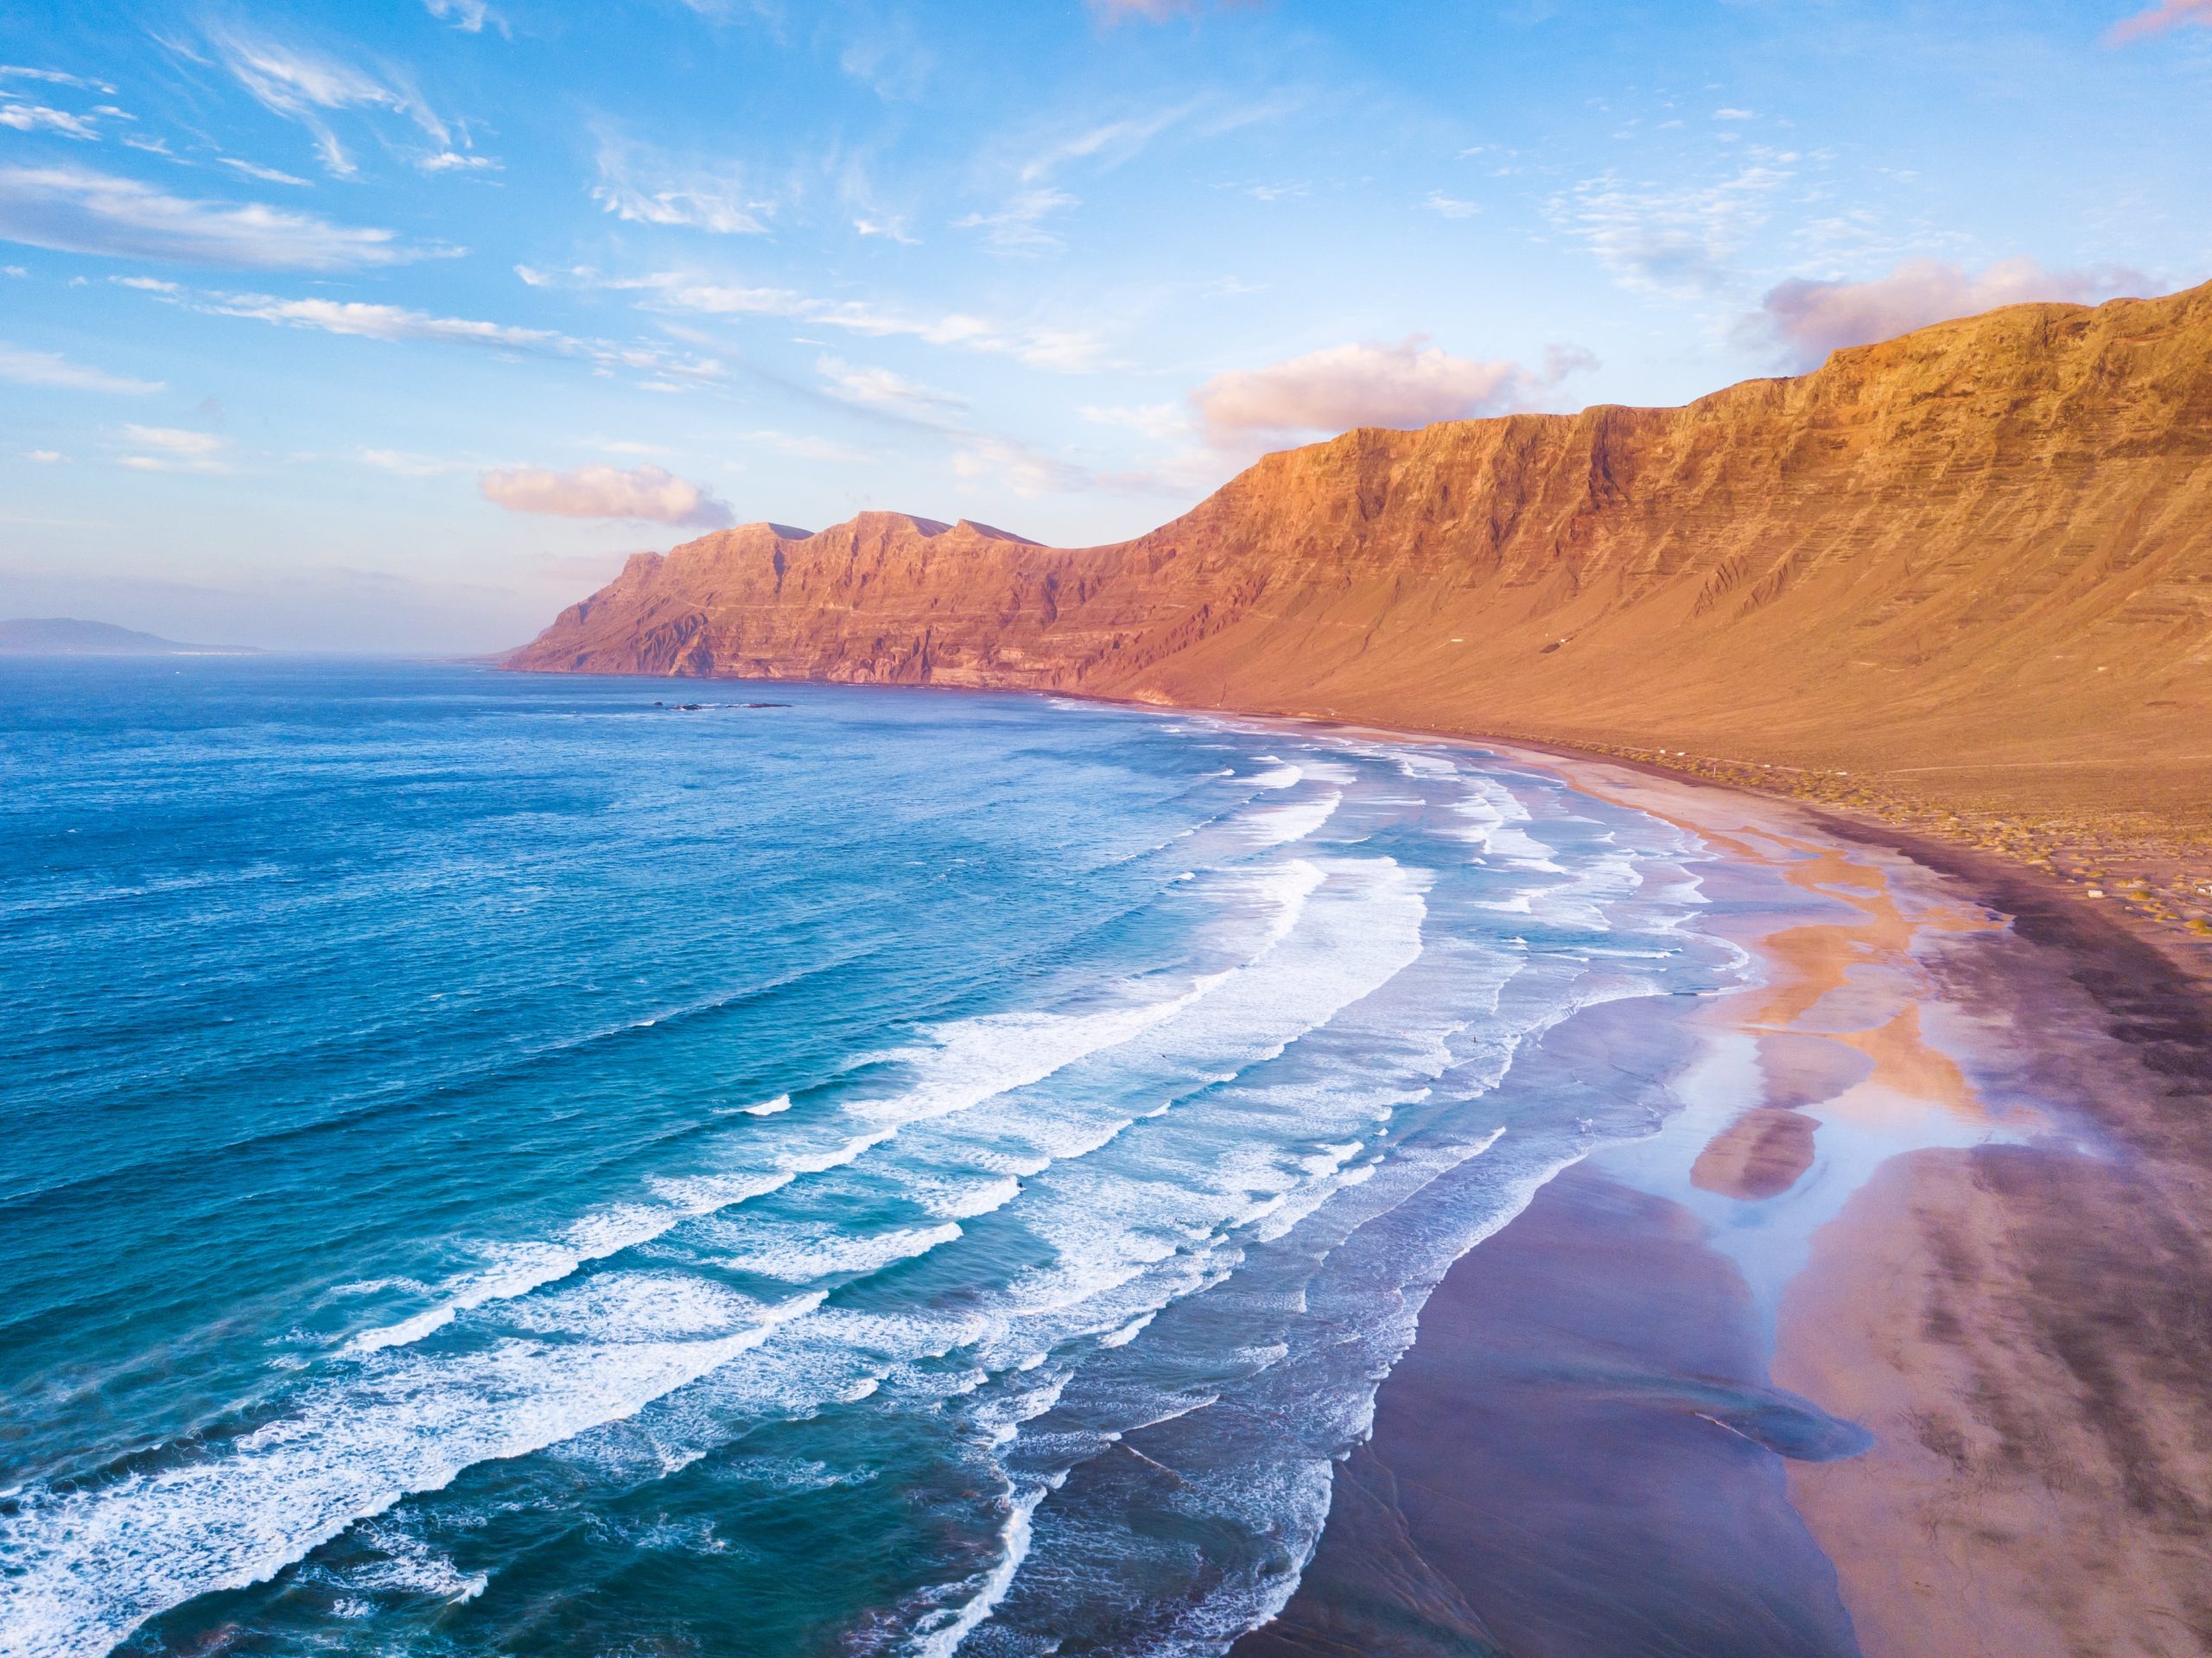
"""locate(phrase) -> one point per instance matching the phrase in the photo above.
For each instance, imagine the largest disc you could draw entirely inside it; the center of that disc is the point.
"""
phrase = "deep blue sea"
(495, 1164)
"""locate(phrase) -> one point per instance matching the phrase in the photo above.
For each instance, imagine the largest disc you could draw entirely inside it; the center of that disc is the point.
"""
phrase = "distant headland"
(67, 635)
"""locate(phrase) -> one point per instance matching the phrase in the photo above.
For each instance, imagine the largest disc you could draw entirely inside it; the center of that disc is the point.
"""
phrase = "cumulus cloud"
(76, 210)
(1805, 320)
(646, 188)
(2157, 19)
(46, 368)
(1411, 384)
(645, 493)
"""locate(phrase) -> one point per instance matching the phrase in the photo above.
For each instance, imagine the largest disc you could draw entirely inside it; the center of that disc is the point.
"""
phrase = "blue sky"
(397, 325)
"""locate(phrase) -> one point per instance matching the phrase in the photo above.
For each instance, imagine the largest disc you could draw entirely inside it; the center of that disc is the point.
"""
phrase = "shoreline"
(2173, 880)
(1916, 1186)
(2011, 1307)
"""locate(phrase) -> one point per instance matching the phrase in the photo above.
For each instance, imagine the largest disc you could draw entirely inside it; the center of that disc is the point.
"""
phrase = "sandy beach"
(1891, 1341)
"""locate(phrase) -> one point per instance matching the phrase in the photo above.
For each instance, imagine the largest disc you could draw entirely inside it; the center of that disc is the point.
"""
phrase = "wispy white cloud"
(44, 457)
(173, 439)
(174, 449)
(1449, 207)
(1141, 12)
(452, 161)
(50, 369)
(1019, 227)
(2157, 19)
(468, 15)
(390, 322)
(401, 324)
(879, 388)
(1804, 320)
(802, 446)
(888, 226)
(1408, 384)
(1672, 238)
(37, 117)
(645, 187)
(648, 494)
(52, 77)
(305, 85)
(1160, 422)
(888, 57)
(1107, 145)
(1062, 349)
(869, 216)
(1017, 469)
(256, 171)
(401, 464)
(77, 210)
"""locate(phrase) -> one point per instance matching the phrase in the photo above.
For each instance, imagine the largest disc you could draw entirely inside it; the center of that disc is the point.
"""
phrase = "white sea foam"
(945, 1640)
(86, 1566)
(1294, 820)
(799, 1252)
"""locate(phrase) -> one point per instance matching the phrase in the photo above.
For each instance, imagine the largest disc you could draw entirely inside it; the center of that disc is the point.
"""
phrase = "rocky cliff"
(1979, 556)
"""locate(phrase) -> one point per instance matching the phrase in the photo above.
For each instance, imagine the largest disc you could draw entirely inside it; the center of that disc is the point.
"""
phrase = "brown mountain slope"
(1970, 568)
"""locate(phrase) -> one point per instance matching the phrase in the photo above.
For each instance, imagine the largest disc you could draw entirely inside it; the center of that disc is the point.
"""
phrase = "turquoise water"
(496, 1164)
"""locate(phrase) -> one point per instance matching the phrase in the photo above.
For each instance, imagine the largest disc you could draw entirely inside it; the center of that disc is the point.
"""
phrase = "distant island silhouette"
(67, 635)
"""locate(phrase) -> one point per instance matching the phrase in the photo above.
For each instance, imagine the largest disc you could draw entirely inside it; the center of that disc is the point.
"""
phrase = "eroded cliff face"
(1984, 546)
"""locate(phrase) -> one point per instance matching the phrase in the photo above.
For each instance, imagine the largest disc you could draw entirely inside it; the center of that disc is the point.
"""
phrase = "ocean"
(508, 1164)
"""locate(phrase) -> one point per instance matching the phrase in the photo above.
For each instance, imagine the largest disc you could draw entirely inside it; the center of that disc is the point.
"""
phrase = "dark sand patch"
(1580, 1457)
(1762, 1155)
